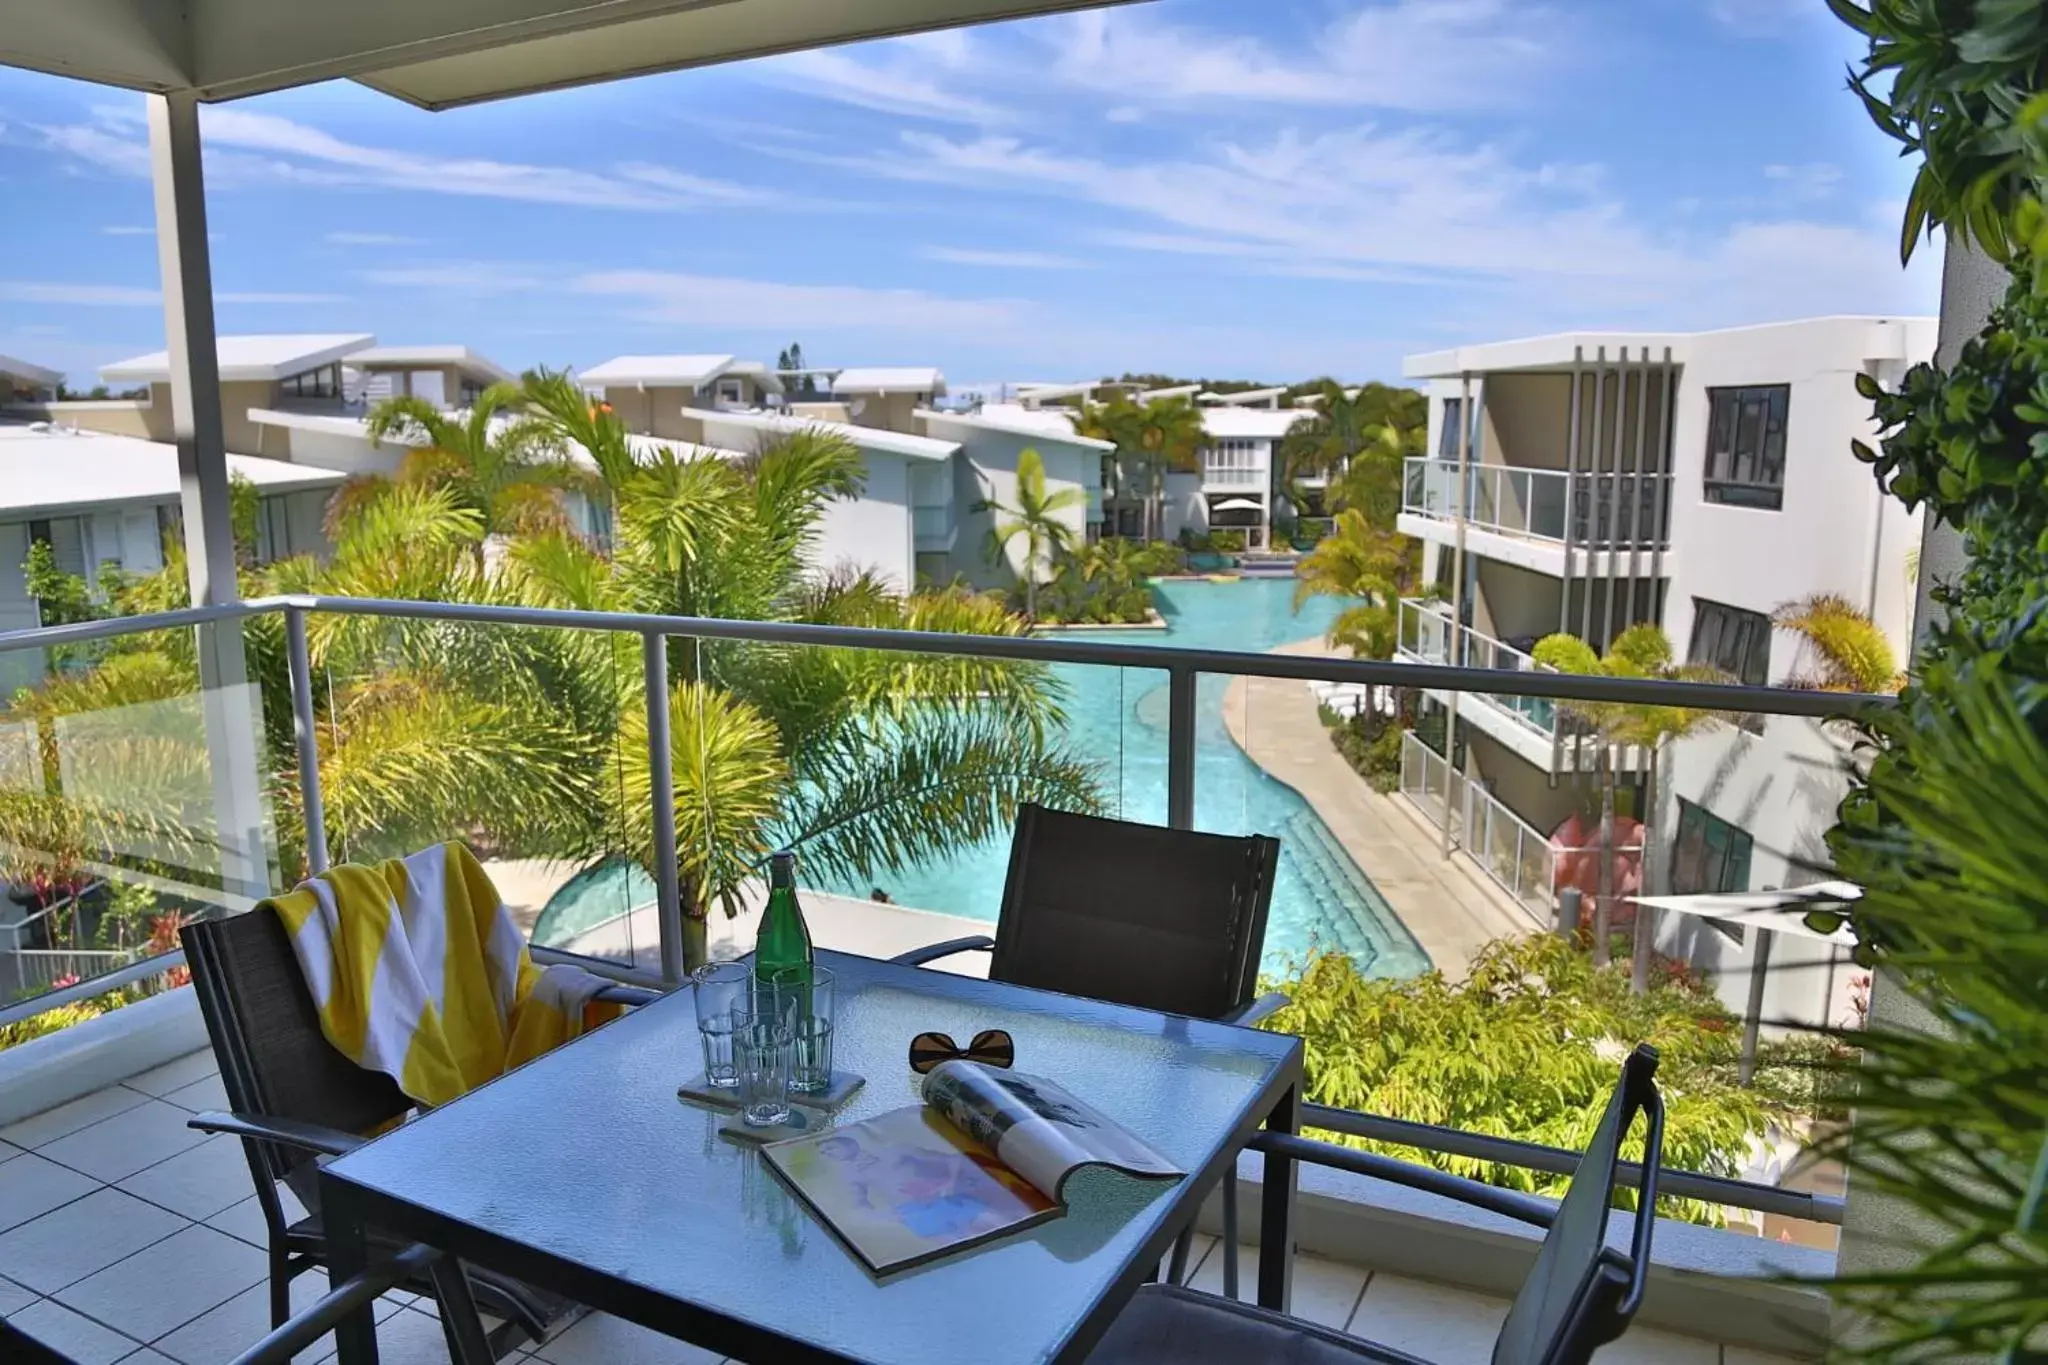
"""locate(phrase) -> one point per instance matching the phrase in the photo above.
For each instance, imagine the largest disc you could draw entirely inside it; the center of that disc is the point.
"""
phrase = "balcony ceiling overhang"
(450, 52)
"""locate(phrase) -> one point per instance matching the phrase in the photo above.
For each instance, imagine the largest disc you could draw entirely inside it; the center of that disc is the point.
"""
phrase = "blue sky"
(1262, 190)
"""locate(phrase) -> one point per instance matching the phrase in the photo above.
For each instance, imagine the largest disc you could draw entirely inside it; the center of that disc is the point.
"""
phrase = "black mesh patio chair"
(295, 1099)
(1580, 1294)
(1163, 919)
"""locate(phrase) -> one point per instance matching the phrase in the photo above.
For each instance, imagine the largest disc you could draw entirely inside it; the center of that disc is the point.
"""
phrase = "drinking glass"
(718, 987)
(810, 1068)
(762, 1029)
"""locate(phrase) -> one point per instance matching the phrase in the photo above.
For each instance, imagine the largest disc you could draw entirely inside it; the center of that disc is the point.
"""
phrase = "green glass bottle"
(782, 951)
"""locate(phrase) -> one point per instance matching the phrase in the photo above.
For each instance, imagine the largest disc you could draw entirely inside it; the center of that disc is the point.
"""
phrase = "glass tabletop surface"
(588, 1155)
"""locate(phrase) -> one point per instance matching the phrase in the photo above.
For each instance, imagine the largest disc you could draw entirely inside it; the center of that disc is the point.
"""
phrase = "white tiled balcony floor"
(127, 1237)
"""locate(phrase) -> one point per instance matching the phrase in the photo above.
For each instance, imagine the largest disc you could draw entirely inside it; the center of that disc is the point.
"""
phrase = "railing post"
(662, 792)
(299, 659)
(1180, 747)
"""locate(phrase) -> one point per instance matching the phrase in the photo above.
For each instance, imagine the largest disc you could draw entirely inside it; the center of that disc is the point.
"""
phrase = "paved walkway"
(1449, 908)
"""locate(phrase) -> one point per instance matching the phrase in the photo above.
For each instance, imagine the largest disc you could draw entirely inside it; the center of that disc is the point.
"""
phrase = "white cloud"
(1806, 181)
(244, 145)
(124, 296)
(894, 78)
(1004, 260)
(1762, 18)
(1390, 54)
(480, 278)
(371, 239)
(1408, 54)
(709, 301)
(82, 295)
(127, 230)
(1419, 206)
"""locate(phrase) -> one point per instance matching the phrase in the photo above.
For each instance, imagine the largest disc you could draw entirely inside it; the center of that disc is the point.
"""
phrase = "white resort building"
(1696, 481)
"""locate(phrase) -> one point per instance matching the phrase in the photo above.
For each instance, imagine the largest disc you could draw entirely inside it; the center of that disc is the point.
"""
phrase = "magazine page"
(905, 1186)
(1040, 1130)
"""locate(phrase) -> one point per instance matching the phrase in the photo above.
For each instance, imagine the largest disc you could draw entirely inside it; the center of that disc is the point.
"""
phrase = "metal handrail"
(1182, 666)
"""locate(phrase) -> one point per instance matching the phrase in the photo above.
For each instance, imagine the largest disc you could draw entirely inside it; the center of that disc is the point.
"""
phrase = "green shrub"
(1370, 743)
(1528, 1047)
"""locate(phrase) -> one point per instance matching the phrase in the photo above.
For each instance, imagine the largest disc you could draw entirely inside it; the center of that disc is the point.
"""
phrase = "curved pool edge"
(1439, 907)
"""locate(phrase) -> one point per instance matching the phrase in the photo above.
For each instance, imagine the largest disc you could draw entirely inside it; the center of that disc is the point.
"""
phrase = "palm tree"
(1152, 439)
(1641, 651)
(496, 459)
(1849, 651)
(1034, 518)
(1362, 561)
(532, 741)
(1375, 426)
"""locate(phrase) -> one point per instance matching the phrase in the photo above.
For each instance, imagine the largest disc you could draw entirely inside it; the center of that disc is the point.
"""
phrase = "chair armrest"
(917, 957)
(307, 1137)
(302, 1331)
(627, 995)
(1520, 1207)
(1263, 1007)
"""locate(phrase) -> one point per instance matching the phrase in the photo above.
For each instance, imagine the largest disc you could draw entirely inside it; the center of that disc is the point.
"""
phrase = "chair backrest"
(274, 1060)
(1582, 1293)
(1165, 919)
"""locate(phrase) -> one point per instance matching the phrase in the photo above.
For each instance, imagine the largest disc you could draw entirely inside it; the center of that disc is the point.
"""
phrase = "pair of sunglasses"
(990, 1047)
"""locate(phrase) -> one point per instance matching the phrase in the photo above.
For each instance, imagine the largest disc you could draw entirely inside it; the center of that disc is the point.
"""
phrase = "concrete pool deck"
(1451, 910)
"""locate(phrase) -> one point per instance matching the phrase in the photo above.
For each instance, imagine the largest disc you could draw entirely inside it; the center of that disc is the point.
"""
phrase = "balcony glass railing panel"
(134, 798)
(899, 772)
(1601, 511)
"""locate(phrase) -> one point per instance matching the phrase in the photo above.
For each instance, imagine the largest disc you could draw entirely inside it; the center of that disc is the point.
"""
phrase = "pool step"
(1351, 902)
(1334, 884)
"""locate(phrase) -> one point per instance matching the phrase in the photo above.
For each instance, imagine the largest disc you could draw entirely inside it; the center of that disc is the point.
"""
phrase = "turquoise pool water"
(1320, 900)
(1118, 715)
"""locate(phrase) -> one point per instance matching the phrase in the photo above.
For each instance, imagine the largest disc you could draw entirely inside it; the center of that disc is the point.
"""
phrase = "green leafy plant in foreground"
(1528, 1047)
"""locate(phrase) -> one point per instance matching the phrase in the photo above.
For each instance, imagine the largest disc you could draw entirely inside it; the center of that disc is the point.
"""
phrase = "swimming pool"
(1320, 899)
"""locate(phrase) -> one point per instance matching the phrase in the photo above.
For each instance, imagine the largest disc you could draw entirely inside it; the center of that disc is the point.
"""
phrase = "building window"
(1746, 445)
(1234, 460)
(324, 382)
(1735, 641)
(1710, 856)
(469, 393)
(731, 391)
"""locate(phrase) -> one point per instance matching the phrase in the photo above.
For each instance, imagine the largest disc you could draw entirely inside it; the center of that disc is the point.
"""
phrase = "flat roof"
(656, 371)
(45, 468)
(460, 357)
(871, 438)
(254, 356)
(35, 374)
(1253, 423)
(759, 372)
(890, 379)
(1017, 421)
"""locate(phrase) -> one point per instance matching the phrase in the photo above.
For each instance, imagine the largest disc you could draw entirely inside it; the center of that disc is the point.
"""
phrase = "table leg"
(355, 1336)
(1276, 1210)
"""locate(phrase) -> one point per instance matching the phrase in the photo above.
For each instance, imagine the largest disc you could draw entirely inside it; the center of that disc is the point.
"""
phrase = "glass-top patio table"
(582, 1172)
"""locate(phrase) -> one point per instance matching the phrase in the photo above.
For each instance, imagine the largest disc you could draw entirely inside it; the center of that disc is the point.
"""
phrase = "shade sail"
(449, 52)
(1779, 911)
(1238, 505)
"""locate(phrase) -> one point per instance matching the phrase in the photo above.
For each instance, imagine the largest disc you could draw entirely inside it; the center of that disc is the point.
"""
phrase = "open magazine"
(988, 1152)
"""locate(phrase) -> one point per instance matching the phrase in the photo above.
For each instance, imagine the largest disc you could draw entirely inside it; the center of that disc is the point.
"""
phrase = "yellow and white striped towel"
(419, 972)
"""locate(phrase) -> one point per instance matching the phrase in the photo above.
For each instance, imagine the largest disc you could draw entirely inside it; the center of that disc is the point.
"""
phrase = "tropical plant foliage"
(1376, 566)
(1960, 86)
(1105, 583)
(1528, 1047)
(1944, 830)
(531, 742)
(1643, 650)
(1847, 651)
(1035, 518)
(1152, 439)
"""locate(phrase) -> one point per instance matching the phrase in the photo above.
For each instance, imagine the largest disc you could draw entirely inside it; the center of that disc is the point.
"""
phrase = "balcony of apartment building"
(127, 1234)
(1562, 469)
